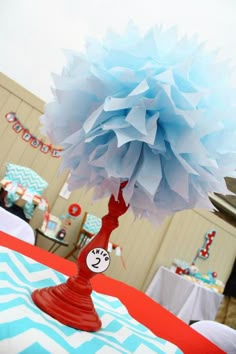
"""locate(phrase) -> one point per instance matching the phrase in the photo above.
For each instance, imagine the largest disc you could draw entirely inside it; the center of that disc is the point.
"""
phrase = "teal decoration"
(29, 180)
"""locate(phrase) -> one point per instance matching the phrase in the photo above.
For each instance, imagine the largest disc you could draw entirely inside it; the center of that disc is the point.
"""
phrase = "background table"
(160, 321)
(56, 241)
(185, 299)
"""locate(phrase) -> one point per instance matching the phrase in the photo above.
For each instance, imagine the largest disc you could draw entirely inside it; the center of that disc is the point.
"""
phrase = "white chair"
(15, 226)
(219, 334)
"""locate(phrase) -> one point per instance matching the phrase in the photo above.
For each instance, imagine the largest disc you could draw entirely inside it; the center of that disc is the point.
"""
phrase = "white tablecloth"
(15, 226)
(185, 299)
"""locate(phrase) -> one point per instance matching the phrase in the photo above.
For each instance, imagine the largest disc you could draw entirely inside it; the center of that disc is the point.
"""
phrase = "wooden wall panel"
(141, 242)
(4, 94)
(7, 135)
(28, 108)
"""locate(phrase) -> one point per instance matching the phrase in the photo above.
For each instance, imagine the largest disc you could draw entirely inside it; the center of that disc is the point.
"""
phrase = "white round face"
(98, 260)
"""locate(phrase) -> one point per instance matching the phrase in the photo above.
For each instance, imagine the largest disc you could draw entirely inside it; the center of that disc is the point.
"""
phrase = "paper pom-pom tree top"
(152, 111)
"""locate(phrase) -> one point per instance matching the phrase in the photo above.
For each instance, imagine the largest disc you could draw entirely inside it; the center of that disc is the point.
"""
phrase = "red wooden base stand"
(71, 302)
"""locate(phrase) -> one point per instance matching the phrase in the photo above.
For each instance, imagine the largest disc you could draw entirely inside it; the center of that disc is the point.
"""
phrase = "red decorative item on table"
(71, 302)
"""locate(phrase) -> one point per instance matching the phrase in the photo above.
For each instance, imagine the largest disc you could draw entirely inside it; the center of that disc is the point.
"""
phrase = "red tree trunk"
(71, 302)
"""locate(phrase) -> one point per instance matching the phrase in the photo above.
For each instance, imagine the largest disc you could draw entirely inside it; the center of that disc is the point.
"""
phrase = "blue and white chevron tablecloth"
(26, 329)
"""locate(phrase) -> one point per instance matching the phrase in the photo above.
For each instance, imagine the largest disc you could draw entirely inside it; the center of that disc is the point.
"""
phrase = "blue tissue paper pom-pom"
(152, 109)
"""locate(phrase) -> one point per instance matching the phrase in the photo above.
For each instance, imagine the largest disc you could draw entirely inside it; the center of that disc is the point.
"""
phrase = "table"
(56, 241)
(145, 310)
(187, 300)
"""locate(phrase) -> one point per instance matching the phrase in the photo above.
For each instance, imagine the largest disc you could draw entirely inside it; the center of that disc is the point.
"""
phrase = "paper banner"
(56, 152)
(26, 136)
(35, 142)
(10, 117)
(45, 148)
(29, 138)
(17, 127)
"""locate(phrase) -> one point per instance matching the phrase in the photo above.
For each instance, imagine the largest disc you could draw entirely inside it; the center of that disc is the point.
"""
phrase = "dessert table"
(188, 300)
(141, 307)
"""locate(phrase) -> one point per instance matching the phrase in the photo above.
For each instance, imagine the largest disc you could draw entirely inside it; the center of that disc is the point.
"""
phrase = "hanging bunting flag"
(56, 152)
(17, 127)
(29, 138)
(10, 117)
(45, 148)
(118, 251)
(35, 142)
(26, 136)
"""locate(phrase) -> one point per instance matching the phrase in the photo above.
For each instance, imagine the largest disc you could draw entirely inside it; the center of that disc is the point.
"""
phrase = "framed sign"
(51, 226)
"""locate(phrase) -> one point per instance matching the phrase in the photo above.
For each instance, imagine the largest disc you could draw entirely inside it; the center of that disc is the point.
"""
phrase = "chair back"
(91, 224)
